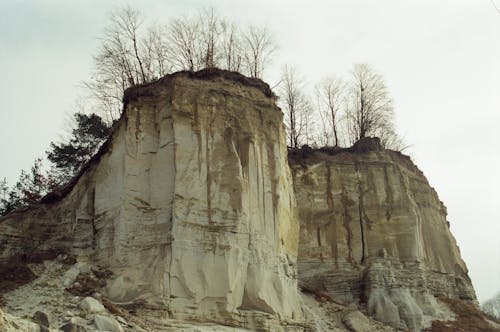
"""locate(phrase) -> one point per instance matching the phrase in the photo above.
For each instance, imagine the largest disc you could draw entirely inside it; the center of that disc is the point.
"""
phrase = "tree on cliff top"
(296, 107)
(68, 157)
(129, 54)
(133, 53)
(330, 97)
(370, 110)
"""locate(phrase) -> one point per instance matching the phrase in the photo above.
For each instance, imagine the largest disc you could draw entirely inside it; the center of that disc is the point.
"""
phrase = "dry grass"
(468, 319)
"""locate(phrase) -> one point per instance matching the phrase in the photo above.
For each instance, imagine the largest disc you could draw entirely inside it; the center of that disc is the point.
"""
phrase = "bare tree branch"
(297, 109)
(370, 109)
(258, 47)
(330, 96)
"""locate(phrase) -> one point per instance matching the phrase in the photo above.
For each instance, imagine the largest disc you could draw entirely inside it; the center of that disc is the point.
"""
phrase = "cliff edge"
(373, 231)
(194, 215)
(189, 206)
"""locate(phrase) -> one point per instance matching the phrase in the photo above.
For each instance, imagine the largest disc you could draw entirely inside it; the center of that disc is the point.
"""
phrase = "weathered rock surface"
(373, 231)
(190, 203)
(91, 305)
(357, 322)
(107, 324)
(41, 319)
(9, 323)
(187, 220)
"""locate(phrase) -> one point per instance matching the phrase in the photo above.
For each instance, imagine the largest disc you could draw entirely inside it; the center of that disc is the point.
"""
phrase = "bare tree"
(195, 41)
(132, 53)
(330, 98)
(231, 48)
(258, 46)
(183, 38)
(128, 56)
(297, 109)
(210, 27)
(157, 52)
(370, 109)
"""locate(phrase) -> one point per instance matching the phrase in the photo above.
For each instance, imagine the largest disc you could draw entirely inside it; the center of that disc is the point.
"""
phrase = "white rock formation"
(91, 305)
(373, 231)
(190, 203)
(104, 323)
(187, 220)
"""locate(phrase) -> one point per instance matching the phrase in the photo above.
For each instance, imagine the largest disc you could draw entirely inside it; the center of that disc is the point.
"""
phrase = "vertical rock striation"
(188, 214)
(190, 203)
(374, 231)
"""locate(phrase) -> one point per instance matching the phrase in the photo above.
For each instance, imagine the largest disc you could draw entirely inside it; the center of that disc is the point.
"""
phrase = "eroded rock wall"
(190, 203)
(374, 231)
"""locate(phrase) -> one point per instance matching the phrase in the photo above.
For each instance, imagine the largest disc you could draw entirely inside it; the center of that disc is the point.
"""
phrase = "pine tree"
(29, 189)
(68, 157)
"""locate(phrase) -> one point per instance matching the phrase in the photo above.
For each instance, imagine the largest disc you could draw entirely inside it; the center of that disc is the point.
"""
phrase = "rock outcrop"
(373, 231)
(189, 203)
(187, 219)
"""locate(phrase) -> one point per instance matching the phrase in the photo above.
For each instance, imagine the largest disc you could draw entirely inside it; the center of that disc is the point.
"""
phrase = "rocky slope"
(373, 231)
(187, 220)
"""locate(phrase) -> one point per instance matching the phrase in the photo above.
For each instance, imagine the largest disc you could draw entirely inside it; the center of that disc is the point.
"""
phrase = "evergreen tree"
(29, 189)
(68, 157)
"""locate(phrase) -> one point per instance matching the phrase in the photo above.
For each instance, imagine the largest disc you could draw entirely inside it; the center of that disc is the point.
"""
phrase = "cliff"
(189, 204)
(374, 231)
(194, 216)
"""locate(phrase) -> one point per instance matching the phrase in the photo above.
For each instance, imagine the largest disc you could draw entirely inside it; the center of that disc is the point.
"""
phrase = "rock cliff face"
(374, 231)
(190, 204)
(187, 219)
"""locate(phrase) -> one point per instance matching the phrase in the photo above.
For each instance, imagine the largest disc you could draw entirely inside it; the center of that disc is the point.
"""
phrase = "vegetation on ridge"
(67, 158)
(133, 53)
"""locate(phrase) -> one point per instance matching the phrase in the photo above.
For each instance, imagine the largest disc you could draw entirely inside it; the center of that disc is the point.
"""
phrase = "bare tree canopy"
(258, 48)
(231, 46)
(132, 53)
(370, 109)
(296, 107)
(183, 39)
(330, 97)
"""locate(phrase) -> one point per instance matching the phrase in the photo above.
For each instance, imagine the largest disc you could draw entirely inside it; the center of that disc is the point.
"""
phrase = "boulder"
(91, 305)
(107, 324)
(356, 321)
(41, 319)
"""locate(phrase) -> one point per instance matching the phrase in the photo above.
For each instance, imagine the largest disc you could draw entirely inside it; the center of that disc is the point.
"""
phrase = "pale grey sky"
(440, 60)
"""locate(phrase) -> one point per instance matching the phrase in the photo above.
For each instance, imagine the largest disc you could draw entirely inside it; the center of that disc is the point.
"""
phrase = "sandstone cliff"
(189, 204)
(191, 217)
(374, 231)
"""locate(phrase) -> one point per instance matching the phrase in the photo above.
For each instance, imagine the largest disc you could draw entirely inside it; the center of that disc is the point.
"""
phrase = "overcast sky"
(440, 60)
